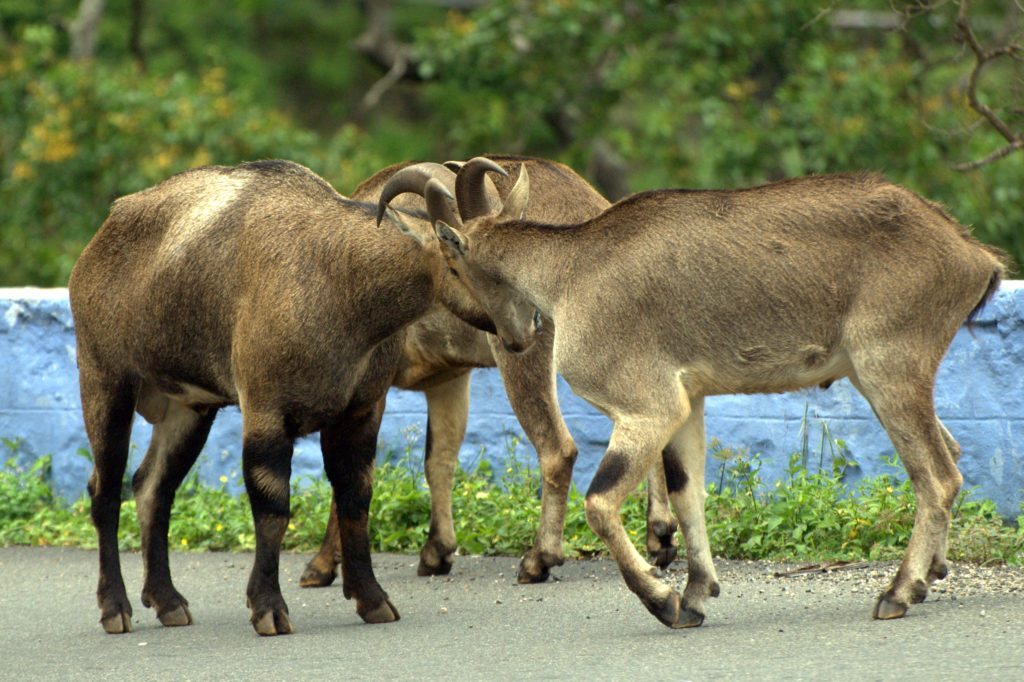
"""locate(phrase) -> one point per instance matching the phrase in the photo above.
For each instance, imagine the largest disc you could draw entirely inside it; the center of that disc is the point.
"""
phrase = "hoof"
(664, 556)
(918, 592)
(675, 614)
(272, 623)
(384, 613)
(117, 624)
(524, 577)
(689, 618)
(424, 569)
(887, 608)
(938, 572)
(660, 546)
(176, 617)
(314, 577)
(535, 566)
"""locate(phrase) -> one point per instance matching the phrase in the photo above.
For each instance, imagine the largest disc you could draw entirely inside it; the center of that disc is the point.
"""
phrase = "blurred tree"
(639, 94)
(85, 29)
(713, 94)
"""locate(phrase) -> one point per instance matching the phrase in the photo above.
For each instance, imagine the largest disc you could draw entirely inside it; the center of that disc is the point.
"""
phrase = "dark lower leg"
(175, 446)
(266, 464)
(349, 448)
(107, 408)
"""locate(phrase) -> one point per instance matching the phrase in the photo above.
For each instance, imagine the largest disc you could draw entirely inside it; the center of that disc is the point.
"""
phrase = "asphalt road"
(478, 624)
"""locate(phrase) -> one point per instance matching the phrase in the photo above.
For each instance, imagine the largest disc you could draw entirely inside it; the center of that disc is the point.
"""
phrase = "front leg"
(349, 448)
(447, 414)
(633, 449)
(266, 465)
(684, 460)
(531, 387)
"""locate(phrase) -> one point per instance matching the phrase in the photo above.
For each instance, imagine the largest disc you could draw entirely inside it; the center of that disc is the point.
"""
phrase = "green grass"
(810, 516)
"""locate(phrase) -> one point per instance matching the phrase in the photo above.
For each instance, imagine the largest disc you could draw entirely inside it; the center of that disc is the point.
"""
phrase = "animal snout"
(513, 346)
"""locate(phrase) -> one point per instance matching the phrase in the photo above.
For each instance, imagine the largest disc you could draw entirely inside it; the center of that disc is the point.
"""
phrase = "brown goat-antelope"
(670, 296)
(256, 285)
(438, 352)
(153, 366)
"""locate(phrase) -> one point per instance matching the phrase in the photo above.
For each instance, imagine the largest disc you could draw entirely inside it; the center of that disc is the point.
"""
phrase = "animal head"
(459, 219)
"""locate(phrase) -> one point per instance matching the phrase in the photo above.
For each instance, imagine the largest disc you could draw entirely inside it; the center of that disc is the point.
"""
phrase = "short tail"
(990, 290)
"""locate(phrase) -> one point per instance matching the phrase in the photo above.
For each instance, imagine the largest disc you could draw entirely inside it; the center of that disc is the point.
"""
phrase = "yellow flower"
(223, 479)
(213, 80)
(22, 171)
(853, 125)
(163, 158)
(460, 23)
(202, 158)
(222, 105)
(219, 527)
(184, 542)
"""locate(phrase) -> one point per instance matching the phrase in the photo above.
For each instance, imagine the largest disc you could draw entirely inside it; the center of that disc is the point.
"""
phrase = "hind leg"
(322, 569)
(349, 449)
(108, 404)
(661, 526)
(177, 440)
(900, 392)
(684, 460)
(939, 568)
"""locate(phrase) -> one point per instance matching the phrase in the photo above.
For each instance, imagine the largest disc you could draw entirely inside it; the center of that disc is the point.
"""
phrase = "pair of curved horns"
(412, 179)
(433, 181)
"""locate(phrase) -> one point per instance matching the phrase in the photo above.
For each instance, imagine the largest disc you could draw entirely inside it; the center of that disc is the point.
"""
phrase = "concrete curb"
(979, 395)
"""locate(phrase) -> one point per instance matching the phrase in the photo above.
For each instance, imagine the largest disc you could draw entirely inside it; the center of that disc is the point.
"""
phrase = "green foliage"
(695, 94)
(810, 516)
(703, 94)
(88, 133)
(815, 516)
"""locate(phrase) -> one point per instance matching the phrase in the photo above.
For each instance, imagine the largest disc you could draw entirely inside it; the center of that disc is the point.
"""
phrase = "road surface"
(478, 623)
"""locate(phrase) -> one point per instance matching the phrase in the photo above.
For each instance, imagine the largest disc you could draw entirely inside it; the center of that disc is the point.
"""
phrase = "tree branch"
(994, 156)
(377, 90)
(981, 58)
(378, 42)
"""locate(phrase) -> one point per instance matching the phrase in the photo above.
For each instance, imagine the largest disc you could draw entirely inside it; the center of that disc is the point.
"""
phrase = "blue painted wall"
(979, 396)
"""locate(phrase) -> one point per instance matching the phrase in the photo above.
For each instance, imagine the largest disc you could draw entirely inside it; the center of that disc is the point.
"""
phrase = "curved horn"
(516, 201)
(454, 166)
(411, 179)
(439, 203)
(469, 187)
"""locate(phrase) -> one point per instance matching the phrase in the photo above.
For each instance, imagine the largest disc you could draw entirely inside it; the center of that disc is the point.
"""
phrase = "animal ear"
(453, 242)
(403, 227)
(517, 199)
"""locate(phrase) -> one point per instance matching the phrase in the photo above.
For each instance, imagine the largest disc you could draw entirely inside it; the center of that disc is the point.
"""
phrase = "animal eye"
(454, 273)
